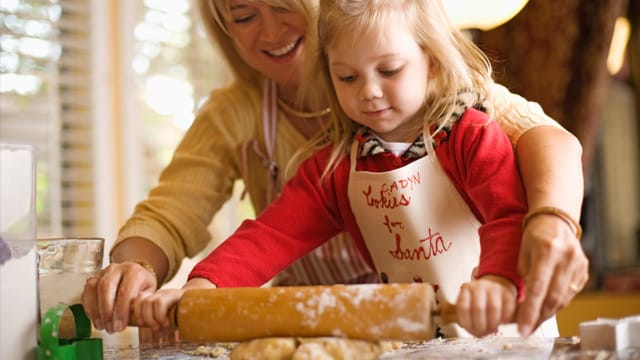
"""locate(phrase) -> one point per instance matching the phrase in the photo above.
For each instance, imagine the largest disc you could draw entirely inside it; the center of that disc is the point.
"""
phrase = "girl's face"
(269, 39)
(380, 79)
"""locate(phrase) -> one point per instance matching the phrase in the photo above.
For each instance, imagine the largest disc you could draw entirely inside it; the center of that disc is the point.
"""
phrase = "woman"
(263, 42)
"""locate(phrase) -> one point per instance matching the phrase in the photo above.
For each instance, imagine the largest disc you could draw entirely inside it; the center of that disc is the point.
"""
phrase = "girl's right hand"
(152, 310)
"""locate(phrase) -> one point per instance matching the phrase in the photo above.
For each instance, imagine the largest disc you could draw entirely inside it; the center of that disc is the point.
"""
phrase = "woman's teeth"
(283, 50)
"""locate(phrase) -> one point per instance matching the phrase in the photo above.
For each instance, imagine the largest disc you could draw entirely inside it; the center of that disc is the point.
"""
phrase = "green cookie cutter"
(81, 347)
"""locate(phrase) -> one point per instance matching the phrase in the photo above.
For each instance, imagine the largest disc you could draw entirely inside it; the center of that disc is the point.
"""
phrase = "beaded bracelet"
(551, 210)
(147, 266)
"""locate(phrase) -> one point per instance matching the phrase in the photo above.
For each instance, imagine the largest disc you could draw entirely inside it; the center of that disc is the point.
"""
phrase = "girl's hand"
(151, 310)
(485, 303)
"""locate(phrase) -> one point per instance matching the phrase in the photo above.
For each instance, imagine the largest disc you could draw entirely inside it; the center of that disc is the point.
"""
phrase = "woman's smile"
(285, 50)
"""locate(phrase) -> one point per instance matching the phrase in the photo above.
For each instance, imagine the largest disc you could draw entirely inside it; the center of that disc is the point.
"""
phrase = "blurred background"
(104, 90)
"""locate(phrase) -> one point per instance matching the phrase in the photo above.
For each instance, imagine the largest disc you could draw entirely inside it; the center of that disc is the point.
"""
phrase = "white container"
(18, 266)
(610, 334)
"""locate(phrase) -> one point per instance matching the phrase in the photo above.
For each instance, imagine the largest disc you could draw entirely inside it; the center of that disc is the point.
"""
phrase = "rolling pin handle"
(446, 313)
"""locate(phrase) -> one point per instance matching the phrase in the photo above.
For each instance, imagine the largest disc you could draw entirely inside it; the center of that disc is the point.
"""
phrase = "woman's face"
(270, 39)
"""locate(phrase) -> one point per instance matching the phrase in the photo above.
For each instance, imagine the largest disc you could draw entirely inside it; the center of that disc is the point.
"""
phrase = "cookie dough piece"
(320, 348)
(265, 349)
(311, 351)
(331, 348)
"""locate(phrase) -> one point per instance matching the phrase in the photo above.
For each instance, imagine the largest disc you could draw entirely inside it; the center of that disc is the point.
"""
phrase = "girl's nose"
(370, 90)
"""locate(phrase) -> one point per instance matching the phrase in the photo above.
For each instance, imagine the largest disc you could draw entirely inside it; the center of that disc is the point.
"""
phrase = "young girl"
(417, 173)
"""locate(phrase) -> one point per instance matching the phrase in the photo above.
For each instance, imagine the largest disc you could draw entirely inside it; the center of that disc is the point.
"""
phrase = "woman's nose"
(272, 26)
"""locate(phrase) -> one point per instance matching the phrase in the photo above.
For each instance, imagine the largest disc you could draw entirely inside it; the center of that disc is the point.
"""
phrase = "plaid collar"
(371, 145)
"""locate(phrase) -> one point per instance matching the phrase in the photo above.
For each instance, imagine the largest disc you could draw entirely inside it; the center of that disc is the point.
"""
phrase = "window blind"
(76, 114)
(48, 67)
(57, 64)
(29, 112)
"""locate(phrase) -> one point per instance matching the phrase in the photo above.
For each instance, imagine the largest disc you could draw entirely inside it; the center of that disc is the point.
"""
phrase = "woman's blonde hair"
(457, 63)
(216, 14)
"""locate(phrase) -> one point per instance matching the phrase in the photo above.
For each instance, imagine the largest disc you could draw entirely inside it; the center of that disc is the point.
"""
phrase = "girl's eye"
(348, 78)
(390, 72)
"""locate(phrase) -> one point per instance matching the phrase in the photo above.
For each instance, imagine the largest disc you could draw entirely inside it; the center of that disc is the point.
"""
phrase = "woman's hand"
(485, 303)
(551, 262)
(554, 268)
(107, 296)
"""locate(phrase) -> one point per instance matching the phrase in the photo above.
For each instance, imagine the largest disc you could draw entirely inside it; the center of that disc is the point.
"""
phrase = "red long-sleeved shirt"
(476, 155)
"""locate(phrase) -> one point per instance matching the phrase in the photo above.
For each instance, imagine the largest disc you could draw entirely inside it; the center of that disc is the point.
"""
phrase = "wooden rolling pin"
(399, 312)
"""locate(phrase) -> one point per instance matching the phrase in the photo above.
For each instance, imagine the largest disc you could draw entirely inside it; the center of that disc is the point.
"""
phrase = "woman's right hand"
(108, 296)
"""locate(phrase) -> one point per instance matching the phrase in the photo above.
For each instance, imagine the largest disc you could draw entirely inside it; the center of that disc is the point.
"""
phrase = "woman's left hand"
(554, 268)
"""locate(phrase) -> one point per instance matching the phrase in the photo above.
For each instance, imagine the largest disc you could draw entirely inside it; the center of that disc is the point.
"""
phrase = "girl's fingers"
(479, 312)
(463, 307)
(484, 304)
(493, 311)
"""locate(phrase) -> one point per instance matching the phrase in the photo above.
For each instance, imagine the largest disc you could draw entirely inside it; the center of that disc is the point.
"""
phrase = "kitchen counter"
(462, 349)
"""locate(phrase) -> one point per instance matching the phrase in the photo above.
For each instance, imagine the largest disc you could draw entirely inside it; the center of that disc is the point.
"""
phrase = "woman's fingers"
(90, 302)
(136, 281)
(551, 261)
(570, 277)
(106, 292)
(537, 280)
(107, 297)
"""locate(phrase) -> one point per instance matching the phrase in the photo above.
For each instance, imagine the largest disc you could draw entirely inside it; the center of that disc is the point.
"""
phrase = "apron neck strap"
(269, 115)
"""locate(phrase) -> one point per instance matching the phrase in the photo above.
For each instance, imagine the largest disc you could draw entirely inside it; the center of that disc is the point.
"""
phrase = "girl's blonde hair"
(457, 63)
(216, 14)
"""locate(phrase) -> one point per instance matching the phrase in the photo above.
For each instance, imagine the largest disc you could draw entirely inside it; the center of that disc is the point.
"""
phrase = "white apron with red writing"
(418, 228)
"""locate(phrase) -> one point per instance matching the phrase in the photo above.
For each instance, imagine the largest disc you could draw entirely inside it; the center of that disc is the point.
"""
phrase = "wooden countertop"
(462, 348)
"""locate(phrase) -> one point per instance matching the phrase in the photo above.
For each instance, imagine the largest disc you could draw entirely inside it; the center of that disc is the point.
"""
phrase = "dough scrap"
(209, 351)
(320, 348)
(265, 349)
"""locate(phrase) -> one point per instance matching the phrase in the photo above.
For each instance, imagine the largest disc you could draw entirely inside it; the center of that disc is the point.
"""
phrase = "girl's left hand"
(485, 303)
